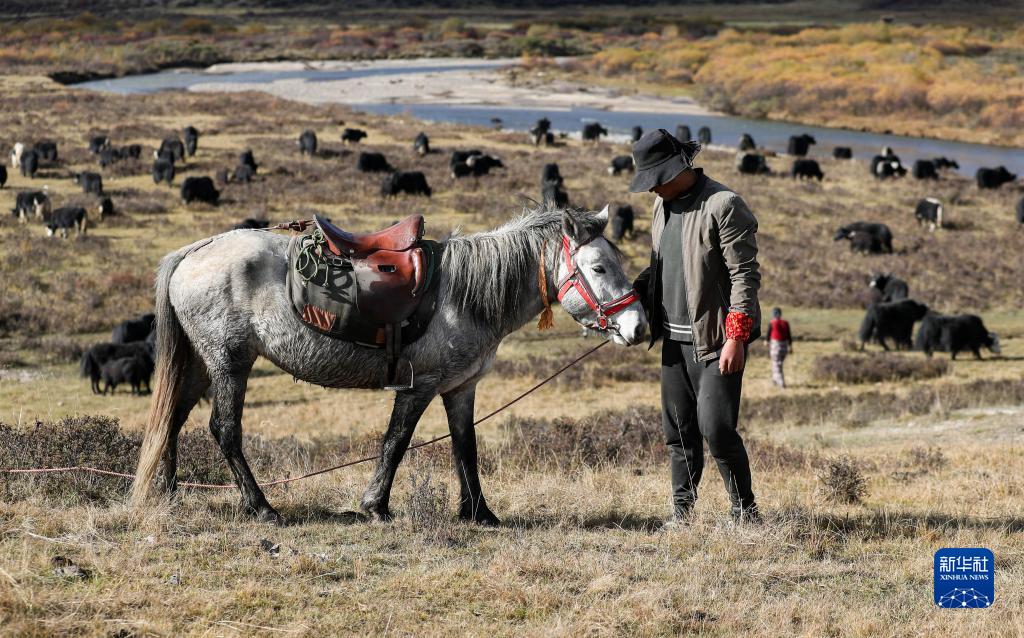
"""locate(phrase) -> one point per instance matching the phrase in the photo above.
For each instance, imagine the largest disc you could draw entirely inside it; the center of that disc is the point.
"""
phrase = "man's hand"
(731, 359)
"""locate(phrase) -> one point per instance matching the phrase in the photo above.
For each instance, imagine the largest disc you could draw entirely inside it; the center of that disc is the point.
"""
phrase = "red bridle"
(575, 278)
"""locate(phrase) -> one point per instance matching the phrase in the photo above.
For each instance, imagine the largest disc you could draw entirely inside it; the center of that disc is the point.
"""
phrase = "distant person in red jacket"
(780, 343)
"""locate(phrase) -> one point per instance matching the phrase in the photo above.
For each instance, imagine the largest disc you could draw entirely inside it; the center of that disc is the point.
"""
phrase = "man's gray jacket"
(720, 269)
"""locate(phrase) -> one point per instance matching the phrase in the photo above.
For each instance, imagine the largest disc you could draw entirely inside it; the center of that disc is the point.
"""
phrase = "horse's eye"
(599, 269)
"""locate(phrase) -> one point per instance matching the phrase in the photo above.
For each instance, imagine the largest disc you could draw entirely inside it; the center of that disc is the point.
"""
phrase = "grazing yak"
(704, 135)
(884, 167)
(172, 148)
(132, 151)
(552, 194)
(621, 163)
(482, 164)
(110, 156)
(1020, 211)
(352, 135)
(460, 157)
(924, 169)
(65, 218)
(887, 288)
(191, 136)
(105, 208)
(541, 131)
(842, 152)
(35, 203)
(551, 173)
(751, 164)
(476, 166)
(800, 144)
(97, 143)
(46, 149)
(409, 182)
(622, 221)
(29, 164)
(136, 371)
(163, 171)
(747, 143)
(421, 144)
(954, 334)
(370, 162)
(307, 143)
(806, 168)
(243, 174)
(3, 175)
(250, 223)
(137, 329)
(16, 151)
(91, 183)
(929, 211)
(683, 133)
(894, 320)
(592, 132)
(636, 133)
(91, 363)
(199, 189)
(993, 177)
(246, 158)
(866, 237)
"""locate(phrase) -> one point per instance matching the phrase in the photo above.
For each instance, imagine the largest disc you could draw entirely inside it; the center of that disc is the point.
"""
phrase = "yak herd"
(128, 357)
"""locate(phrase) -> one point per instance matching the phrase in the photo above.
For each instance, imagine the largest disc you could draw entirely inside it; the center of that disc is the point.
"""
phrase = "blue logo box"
(965, 577)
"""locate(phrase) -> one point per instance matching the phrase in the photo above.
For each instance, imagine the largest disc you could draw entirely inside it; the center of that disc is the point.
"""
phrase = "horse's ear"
(573, 228)
(602, 218)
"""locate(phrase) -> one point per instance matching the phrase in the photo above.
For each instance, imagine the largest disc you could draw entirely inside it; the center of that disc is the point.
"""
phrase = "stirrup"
(393, 384)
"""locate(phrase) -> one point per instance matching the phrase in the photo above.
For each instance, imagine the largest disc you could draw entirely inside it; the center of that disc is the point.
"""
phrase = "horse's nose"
(633, 327)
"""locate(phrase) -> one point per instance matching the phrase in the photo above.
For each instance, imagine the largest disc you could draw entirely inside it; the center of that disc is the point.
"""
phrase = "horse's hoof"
(268, 514)
(376, 513)
(480, 516)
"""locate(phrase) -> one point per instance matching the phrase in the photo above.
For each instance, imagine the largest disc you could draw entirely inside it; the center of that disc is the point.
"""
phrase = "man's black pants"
(698, 402)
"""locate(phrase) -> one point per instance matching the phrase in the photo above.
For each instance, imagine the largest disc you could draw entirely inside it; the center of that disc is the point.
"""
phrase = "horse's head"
(592, 286)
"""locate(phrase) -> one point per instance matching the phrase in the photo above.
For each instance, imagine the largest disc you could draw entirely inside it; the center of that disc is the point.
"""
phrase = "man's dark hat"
(659, 157)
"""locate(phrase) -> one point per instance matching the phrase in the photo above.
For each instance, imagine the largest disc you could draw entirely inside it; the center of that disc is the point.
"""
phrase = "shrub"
(877, 367)
(841, 481)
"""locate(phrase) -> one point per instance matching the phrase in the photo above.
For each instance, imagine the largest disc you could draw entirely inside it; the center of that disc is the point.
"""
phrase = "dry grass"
(578, 474)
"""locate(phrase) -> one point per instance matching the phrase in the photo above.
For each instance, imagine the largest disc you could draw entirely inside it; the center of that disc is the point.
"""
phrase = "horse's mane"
(486, 273)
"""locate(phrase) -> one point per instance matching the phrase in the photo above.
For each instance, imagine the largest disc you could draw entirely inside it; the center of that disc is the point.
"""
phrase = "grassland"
(578, 473)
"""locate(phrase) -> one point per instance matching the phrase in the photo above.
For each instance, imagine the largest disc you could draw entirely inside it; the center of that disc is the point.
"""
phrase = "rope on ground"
(282, 481)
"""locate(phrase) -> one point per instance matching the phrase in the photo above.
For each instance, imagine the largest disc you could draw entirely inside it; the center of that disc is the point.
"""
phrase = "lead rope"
(281, 481)
(547, 317)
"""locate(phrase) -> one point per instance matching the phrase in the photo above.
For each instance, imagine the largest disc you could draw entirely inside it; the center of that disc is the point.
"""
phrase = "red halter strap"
(575, 279)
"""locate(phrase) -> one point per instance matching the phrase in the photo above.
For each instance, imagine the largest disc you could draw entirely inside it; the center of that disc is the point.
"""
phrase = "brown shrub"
(841, 481)
(877, 367)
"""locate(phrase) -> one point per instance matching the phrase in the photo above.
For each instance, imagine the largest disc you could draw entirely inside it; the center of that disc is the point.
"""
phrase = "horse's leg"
(226, 426)
(459, 405)
(192, 389)
(409, 407)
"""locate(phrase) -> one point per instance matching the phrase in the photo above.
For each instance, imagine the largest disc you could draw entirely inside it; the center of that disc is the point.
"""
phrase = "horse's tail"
(172, 354)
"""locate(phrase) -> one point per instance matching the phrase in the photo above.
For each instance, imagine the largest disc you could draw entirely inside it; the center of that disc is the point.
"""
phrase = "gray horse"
(221, 302)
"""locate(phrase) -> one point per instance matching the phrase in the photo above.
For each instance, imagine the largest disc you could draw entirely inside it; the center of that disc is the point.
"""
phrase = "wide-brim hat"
(659, 157)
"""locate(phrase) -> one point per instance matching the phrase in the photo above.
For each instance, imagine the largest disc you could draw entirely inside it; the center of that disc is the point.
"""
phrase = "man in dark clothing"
(700, 294)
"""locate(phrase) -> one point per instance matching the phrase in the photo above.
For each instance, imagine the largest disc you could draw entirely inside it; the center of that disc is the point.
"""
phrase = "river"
(346, 82)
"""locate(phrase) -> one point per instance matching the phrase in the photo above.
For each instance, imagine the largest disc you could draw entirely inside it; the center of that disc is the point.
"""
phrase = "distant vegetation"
(956, 82)
(948, 81)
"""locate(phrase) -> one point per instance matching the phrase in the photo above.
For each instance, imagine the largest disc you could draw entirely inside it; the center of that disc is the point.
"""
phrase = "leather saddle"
(373, 289)
(388, 266)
